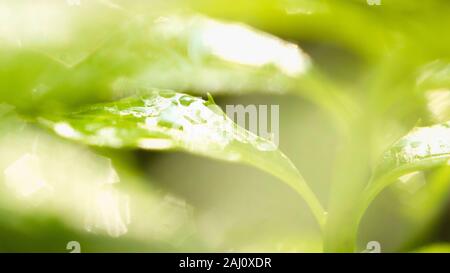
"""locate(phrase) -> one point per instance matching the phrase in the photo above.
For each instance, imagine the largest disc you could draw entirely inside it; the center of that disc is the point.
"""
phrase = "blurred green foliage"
(364, 94)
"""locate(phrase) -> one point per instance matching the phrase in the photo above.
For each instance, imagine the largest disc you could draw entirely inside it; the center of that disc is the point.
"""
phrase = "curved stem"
(313, 202)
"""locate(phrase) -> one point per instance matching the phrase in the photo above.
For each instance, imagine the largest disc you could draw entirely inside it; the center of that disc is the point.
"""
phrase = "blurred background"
(384, 63)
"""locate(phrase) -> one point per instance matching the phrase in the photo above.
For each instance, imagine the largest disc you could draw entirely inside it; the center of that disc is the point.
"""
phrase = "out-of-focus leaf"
(165, 120)
(348, 24)
(422, 204)
(104, 202)
(207, 54)
(420, 199)
(435, 75)
(434, 248)
(433, 81)
(210, 51)
(438, 103)
(65, 31)
(42, 45)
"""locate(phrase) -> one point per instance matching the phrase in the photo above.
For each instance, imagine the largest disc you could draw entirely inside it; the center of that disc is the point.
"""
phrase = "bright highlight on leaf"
(236, 43)
(200, 53)
(423, 147)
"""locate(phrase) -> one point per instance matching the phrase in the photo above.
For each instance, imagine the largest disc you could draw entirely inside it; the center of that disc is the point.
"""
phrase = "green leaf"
(423, 148)
(66, 33)
(220, 56)
(166, 120)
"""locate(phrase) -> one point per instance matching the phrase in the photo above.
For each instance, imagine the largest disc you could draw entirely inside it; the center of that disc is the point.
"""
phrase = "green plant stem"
(344, 239)
(347, 185)
(313, 203)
